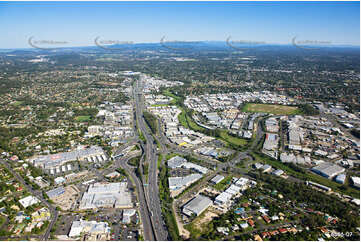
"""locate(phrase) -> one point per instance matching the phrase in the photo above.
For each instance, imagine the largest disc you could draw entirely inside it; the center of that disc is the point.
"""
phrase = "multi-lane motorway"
(143, 207)
(151, 186)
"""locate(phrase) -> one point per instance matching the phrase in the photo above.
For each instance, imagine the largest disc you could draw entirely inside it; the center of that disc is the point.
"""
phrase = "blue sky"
(79, 23)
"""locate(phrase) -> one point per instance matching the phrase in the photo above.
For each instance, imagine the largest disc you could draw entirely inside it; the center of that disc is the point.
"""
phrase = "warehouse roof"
(217, 179)
(55, 192)
(328, 169)
(197, 205)
(49, 161)
(176, 161)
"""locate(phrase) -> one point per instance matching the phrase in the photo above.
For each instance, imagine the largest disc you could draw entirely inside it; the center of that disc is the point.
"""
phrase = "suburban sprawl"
(152, 144)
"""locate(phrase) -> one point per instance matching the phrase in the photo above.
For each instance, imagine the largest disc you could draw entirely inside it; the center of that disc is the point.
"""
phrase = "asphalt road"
(150, 188)
(144, 212)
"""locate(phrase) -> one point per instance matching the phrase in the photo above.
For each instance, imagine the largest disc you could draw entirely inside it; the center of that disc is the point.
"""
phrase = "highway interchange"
(150, 188)
(150, 210)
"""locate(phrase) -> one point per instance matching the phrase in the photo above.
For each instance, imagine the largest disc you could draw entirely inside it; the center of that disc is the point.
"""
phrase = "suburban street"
(37, 194)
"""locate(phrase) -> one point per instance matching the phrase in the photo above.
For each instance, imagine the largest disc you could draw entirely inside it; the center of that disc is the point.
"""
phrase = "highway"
(143, 207)
(151, 188)
(37, 194)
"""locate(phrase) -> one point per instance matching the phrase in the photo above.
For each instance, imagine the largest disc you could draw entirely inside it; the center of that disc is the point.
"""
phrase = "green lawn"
(270, 108)
(141, 136)
(82, 118)
(187, 121)
(182, 119)
(233, 140)
(17, 103)
(2, 220)
(223, 184)
(169, 94)
(159, 105)
(159, 161)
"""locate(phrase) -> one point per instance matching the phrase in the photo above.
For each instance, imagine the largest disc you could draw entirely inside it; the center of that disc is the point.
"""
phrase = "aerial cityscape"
(173, 121)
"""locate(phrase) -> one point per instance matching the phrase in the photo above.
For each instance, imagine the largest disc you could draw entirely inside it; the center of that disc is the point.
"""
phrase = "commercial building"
(217, 179)
(176, 183)
(106, 195)
(127, 214)
(176, 162)
(356, 181)
(197, 205)
(242, 183)
(195, 167)
(56, 161)
(223, 198)
(319, 186)
(113, 174)
(341, 178)
(233, 189)
(64, 197)
(89, 227)
(59, 180)
(271, 141)
(55, 192)
(257, 165)
(328, 169)
(272, 125)
(28, 201)
(277, 172)
(266, 168)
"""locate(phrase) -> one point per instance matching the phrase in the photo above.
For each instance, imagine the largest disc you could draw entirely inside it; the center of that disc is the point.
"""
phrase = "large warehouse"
(197, 205)
(328, 169)
(106, 195)
(47, 162)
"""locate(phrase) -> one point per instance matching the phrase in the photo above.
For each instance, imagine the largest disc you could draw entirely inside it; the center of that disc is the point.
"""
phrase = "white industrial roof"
(197, 205)
(217, 179)
(223, 197)
(28, 201)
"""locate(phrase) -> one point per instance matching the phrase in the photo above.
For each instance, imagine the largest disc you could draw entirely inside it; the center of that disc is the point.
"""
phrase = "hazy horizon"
(79, 23)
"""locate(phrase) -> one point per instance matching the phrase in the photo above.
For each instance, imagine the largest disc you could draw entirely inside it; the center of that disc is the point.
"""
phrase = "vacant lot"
(82, 118)
(204, 219)
(270, 108)
(233, 140)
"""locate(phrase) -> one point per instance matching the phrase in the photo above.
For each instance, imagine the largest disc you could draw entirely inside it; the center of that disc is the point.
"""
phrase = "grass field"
(159, 105)
(2, 220)
(17, 103)
(159, 161)
(169, 94)
(188, 122)
(82, 118)
(223, 184)
(233, 140)
(270, 108)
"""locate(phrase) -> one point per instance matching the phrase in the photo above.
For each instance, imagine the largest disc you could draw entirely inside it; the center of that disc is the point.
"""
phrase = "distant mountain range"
(175, 45)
